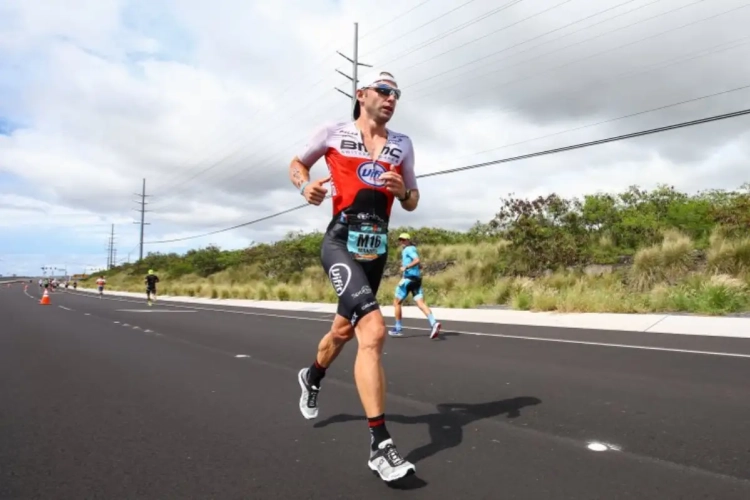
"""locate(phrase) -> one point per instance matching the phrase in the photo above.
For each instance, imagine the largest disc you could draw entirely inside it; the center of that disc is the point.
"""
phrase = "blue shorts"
(409, 286)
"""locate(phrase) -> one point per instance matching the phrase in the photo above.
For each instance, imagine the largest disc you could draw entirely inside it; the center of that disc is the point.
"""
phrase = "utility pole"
(110, 249)
(355, 66)
(143, 211)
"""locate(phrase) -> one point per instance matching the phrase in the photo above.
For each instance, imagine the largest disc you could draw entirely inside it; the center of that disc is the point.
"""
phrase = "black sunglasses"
(387, 91)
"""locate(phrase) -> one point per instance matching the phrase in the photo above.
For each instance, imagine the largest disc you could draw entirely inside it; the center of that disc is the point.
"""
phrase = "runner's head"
(404, 239)
(377, 97)
(150, 271)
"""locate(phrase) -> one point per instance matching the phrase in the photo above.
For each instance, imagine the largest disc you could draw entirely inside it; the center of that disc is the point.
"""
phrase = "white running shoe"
(388, 463)
(308, 401)
(435, 330)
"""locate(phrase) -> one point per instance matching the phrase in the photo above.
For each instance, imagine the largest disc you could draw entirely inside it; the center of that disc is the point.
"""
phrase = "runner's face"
(380, 102)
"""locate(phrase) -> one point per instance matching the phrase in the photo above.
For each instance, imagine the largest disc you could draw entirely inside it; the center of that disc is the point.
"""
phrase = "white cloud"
(209, 101)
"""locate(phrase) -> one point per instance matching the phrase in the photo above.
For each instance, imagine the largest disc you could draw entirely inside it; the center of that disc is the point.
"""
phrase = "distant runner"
(151, 281)
(369, 166)
(411, 283)
(100, 283)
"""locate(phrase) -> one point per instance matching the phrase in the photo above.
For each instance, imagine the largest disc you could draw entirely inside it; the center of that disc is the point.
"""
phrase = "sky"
(209, 101)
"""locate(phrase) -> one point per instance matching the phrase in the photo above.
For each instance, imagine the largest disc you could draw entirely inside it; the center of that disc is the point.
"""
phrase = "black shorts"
(150, 289)
(356, 282)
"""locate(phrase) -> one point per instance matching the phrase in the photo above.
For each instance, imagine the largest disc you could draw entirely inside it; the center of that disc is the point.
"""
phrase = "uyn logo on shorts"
(339, 274)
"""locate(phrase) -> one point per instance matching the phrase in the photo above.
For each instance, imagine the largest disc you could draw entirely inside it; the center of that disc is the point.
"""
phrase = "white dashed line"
(478, 334)
(152, 311)
(242, 356)
(66, 308)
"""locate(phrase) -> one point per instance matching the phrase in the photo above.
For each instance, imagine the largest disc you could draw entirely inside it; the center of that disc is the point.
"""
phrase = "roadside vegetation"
(634, 251)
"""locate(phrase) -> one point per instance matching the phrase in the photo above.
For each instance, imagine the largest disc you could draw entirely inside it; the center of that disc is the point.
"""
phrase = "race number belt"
(367, 241)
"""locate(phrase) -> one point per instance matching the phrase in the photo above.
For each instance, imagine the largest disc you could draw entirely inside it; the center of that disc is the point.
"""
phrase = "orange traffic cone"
(45, 299)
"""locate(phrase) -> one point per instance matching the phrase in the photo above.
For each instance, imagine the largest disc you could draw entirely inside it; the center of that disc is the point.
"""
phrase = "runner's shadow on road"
(446, 426)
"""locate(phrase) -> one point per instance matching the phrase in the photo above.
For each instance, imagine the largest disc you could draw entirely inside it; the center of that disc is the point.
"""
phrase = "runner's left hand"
(394, 183)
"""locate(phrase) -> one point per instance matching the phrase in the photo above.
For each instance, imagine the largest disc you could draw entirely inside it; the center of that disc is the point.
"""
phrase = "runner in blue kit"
(411, 283)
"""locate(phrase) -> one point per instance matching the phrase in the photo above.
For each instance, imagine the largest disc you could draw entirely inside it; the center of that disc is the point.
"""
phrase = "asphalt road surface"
(109, 398)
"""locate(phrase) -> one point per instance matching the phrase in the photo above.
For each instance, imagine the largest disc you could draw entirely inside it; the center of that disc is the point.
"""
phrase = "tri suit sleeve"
(407, 168)
(315, 147)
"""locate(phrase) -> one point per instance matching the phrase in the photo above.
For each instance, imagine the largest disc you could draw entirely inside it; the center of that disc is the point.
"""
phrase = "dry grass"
(663, 278)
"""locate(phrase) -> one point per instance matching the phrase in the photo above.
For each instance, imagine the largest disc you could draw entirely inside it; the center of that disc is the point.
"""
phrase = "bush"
(632, 251)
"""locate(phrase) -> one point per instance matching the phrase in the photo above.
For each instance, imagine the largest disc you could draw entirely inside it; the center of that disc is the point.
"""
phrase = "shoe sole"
(409, 472)
(304, 389)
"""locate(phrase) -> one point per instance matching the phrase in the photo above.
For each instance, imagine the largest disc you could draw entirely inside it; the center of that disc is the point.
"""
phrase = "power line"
(233, 173)
(421, 94)
(298, 80)
(231, 228)
(280, 121)
(605, 51)
(687, 101)
(466, 25)
(591, 143)
(395, 18)
(412, 30)
(626, 74)
(538, 37)
(495, 162)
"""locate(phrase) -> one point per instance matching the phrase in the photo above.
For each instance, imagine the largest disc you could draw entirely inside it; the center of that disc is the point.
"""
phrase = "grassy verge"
(673, 275)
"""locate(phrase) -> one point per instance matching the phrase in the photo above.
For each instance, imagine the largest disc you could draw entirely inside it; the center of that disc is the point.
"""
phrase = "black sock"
(378, 432)
(316, 374)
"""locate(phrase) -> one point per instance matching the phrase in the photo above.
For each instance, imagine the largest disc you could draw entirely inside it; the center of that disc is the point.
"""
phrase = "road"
(108, 398)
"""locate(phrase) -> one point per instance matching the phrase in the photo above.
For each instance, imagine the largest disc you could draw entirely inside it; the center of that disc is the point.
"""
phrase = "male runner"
(151, 281)
(411, 283)
(100, 283)
(368, 165)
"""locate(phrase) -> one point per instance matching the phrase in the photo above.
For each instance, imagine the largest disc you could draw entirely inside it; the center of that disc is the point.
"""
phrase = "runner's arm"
(410, 181)
(412, 254)
(299, 168)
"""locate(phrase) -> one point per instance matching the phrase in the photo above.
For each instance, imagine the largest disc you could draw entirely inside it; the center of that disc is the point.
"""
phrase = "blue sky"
(6, 125)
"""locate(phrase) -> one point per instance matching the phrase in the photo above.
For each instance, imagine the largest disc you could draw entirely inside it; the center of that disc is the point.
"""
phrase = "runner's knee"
(372, 333)
(342, 333)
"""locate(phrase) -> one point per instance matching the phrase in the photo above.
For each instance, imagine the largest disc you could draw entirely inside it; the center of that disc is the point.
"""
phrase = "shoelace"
(393, 456)
(312, 398)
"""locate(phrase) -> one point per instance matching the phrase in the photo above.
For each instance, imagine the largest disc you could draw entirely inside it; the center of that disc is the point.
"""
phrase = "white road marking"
(479, 334)
(116, 322)
(66, 308)
(598, 446)
(152, 311)
(242, 356)
(87, 314)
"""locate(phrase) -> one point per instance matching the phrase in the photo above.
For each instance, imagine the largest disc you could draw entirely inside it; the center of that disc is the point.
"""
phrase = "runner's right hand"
(315, 193)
